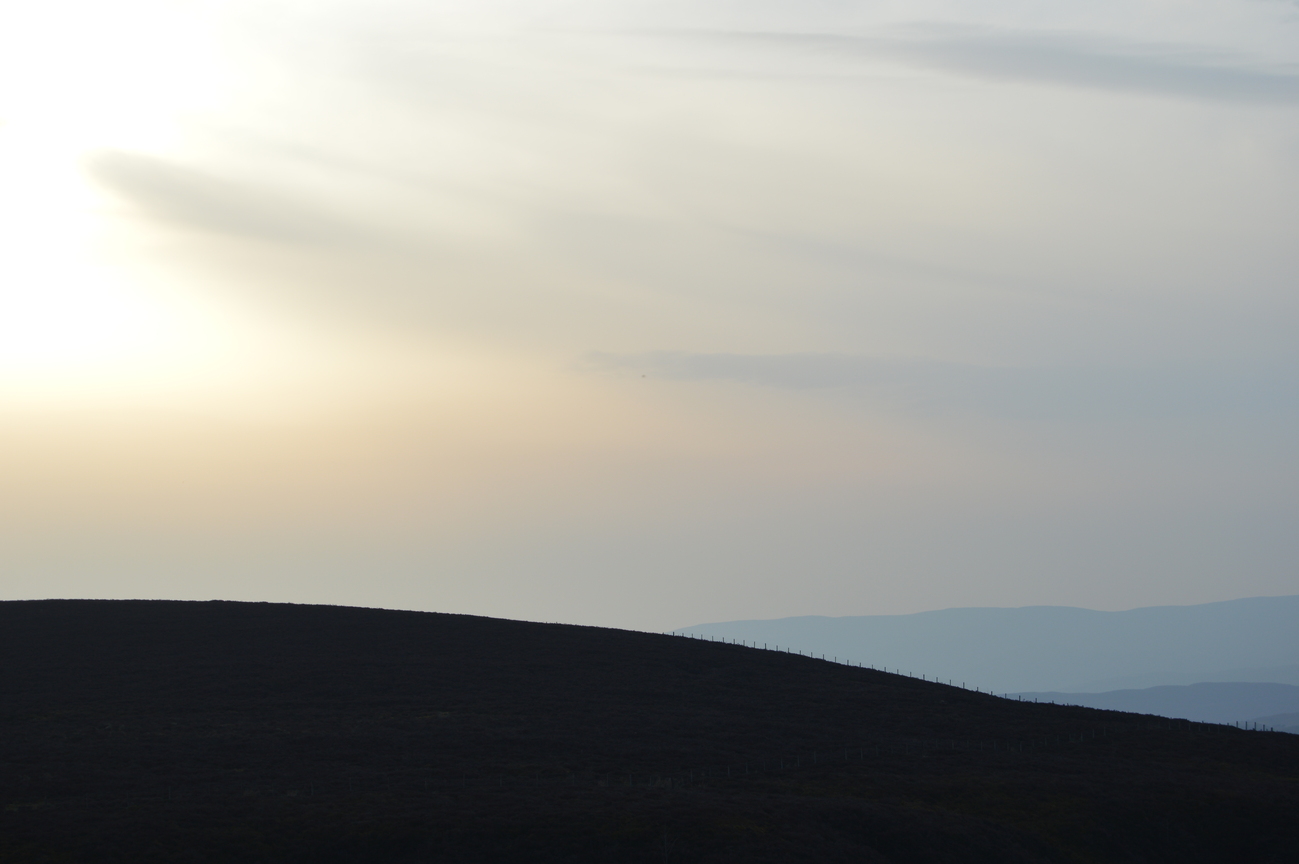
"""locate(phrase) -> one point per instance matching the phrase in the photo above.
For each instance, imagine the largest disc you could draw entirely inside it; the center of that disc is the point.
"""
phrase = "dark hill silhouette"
(150, 731)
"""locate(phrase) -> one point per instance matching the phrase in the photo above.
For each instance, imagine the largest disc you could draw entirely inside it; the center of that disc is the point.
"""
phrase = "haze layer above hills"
(1055, 648)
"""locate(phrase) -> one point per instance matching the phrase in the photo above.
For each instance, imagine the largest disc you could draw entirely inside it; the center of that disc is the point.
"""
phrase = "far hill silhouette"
(1231, 702)
(1055, 648)
(151, 731)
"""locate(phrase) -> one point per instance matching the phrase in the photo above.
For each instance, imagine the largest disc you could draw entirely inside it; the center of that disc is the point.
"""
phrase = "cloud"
(196, 199)
(1069, 59)
(1018, 392)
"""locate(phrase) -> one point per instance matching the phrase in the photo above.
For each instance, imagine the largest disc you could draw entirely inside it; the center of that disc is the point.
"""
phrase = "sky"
(644, 314)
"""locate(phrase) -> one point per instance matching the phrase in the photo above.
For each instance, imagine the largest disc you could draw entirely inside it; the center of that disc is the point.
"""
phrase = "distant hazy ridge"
(1055, 648)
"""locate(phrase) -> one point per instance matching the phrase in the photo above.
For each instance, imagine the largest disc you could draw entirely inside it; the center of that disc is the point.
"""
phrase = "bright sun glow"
(60, 308)
(78, 77)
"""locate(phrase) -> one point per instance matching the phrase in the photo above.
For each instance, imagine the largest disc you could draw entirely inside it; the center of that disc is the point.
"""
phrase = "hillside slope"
(1212, 702)
(139, 732)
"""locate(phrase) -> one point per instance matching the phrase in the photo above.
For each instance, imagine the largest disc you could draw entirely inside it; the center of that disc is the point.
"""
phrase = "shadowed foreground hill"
(143, 731)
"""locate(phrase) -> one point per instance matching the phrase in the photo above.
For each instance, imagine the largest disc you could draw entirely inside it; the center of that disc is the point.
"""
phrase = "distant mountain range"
(1281, 723)
(1060, 649)
(1272, 705)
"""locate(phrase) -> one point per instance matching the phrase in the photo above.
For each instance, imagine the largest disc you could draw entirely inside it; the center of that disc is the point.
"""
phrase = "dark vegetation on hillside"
(142, 731)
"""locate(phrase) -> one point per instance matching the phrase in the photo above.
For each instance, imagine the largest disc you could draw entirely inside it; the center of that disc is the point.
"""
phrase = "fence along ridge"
(1239, 724)
(743, 643)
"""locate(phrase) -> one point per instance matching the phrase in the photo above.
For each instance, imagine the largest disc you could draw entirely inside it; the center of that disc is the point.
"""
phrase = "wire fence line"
(855, 664)
(1246, 725)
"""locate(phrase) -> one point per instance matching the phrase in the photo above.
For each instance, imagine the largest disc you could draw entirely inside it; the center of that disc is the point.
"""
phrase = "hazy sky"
(650, 313)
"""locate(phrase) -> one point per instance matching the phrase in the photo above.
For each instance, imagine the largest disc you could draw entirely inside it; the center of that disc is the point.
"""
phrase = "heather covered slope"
(139, 731)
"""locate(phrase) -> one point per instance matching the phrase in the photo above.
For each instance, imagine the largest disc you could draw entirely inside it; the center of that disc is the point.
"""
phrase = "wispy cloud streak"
(940, 387)
(1059, 58)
